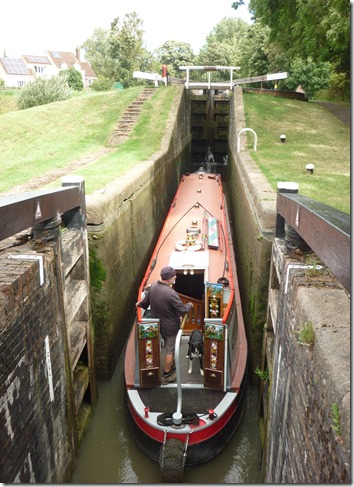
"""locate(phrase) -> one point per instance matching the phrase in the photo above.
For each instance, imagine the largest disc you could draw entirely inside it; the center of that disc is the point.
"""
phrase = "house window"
(39, 69)
(20, 83)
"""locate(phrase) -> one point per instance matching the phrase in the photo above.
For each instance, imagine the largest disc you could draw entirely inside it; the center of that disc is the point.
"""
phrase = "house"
(16, 72)
(39, 65)
(65, 60)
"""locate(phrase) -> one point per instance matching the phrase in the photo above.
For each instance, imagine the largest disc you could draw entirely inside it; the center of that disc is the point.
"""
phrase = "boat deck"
(194, 378)
(164, 400)
(195, 398)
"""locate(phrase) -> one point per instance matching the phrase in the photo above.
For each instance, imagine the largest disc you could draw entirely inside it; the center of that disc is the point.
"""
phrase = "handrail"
(254, 140)
(177, 416)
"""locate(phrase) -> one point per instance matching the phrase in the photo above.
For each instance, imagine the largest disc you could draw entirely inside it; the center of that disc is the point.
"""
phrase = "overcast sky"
(35, 26)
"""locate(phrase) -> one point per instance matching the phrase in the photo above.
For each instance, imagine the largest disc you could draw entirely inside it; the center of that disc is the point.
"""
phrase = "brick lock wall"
(33, 425)
(302, 443)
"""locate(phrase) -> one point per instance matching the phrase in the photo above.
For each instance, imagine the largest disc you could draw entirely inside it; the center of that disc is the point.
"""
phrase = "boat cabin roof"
(195, 236)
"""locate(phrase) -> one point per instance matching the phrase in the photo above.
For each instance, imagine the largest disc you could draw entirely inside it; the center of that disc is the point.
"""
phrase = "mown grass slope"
(49, 137)
(313, 136)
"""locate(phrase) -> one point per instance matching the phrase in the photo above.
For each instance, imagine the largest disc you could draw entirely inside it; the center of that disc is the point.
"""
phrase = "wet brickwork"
(33, 431)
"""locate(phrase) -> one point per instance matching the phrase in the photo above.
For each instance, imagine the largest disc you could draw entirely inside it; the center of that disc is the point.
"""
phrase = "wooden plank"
(325, 229)
(76, 294)
(195, 318)
(78, 332)
(72, 249)
(81, 382)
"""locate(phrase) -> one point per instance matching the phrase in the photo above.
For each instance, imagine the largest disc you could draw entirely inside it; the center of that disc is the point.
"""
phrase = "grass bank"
(313, 135)
(50, 137)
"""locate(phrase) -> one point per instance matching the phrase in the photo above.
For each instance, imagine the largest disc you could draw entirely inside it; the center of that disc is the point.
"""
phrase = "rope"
(166, 419)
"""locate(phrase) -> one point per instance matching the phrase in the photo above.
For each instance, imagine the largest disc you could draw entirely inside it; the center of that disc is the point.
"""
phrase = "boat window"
(226, 295)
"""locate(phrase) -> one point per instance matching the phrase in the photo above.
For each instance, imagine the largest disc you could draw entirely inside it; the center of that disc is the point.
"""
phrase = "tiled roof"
(60, 57)
(17, 66)
(89, 72)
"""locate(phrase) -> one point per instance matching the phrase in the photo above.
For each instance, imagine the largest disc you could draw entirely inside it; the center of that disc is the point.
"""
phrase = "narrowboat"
(191, 420)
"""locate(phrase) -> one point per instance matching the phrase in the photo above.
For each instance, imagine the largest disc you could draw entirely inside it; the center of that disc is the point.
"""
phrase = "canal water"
(108, 453)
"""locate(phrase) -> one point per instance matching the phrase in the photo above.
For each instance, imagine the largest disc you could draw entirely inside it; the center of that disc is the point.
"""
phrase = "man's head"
(167, 273)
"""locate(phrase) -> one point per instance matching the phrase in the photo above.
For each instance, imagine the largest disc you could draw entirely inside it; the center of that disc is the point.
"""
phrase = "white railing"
(210, 70)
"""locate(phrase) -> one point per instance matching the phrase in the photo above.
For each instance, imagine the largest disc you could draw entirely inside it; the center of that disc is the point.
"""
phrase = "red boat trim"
(196, 436)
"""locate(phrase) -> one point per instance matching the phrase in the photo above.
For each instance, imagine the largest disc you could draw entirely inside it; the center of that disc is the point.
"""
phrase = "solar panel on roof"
(14, 65)
(37, 59)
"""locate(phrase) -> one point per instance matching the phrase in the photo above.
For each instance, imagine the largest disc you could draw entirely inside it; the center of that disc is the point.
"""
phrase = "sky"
(35, 26)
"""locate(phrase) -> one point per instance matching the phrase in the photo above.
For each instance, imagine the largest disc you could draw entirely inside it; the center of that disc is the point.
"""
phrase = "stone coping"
(261, 196)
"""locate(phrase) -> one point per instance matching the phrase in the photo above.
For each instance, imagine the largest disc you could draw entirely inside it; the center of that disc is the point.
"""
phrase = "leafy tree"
(254, 56)
(126, 46)
(224, 44)
(313, 28)
(175, 54)
(317, 29)
(97, 52)
(43, 91)
(312, 76)
(74, 78)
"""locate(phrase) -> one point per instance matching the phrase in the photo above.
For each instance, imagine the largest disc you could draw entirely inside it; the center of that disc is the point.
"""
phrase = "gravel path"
(342, 112)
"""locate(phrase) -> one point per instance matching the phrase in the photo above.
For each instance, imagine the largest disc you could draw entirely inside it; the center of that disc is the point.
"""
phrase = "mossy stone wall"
(124, 223)
(252, 203)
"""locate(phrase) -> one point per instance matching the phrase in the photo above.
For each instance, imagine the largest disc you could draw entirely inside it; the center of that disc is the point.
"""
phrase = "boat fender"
(172, 460)
(224, 281)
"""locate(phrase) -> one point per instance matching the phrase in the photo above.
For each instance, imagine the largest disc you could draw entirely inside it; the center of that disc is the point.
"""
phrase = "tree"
(312, 76)
(311, 28)
(254, 56)
(74, 78)
(317, 29)
(224, 44)
(175, 54)
(97, 52)
(126, 46)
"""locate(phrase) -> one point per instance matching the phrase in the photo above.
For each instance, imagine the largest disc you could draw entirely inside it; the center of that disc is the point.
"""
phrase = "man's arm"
(145, 302)
(179, 306)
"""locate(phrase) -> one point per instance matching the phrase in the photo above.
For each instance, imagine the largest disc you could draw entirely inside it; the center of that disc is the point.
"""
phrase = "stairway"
(127, 121)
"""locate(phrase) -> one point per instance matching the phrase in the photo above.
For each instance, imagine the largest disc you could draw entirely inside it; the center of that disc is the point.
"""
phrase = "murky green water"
(109, 455)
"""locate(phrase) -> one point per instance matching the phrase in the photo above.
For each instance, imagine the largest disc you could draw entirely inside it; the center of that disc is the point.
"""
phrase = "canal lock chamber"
(210, 116)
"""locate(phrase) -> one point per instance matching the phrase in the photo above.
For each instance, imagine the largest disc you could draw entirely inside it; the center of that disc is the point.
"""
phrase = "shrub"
(339, 87)
(102, 84)
(43, 91)
(312, 76)
(74, 78)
